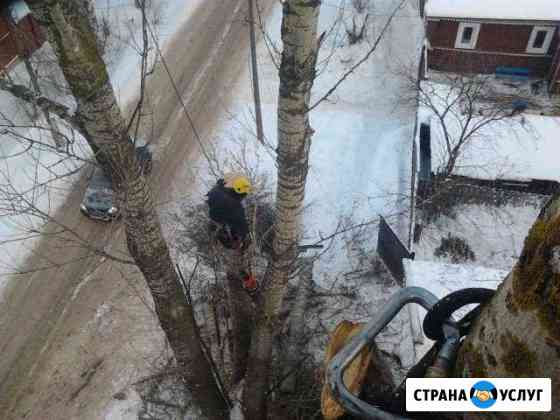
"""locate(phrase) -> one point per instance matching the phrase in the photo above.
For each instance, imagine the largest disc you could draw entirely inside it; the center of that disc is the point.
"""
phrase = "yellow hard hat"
(238, 183)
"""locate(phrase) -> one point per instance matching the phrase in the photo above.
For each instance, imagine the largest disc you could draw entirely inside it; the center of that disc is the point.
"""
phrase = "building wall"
(18, 40)
(462, 61)
(493, 37)
(8, 50)
(497, 45)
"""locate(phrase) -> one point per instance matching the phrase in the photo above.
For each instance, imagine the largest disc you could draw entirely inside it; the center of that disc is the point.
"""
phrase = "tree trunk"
(451, 162)
(72, 36)
(518, 332)
(241, 315)
(295, 340)
(297, 73)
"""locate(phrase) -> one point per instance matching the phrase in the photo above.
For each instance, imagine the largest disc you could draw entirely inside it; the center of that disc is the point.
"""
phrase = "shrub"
(456, 249)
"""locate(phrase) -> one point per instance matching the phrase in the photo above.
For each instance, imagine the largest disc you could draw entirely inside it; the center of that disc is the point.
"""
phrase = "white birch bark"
(297, 73)
(296, 327)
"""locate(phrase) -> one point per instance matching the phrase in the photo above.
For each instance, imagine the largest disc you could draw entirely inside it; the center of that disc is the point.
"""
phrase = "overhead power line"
(180, 98)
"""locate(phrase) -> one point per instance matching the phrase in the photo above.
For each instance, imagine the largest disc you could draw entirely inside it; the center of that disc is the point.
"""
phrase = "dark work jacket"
(226, 209)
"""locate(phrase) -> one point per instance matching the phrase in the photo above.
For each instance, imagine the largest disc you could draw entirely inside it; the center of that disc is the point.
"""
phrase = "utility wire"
(178, 94)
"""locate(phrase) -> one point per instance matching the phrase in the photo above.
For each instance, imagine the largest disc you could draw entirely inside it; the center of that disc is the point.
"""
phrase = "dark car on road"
(98, 202)
(99, 199)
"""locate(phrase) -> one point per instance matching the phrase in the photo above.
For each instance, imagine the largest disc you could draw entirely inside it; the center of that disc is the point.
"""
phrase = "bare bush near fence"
(465, 110)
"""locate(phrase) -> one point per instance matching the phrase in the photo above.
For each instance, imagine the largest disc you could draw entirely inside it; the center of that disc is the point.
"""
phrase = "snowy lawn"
(495, 234)
(521, 147)
(524, 155)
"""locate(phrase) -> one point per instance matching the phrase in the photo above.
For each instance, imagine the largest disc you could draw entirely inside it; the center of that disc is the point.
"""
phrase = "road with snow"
(47, 340)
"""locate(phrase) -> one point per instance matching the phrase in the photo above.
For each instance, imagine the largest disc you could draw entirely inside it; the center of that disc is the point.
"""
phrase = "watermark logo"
(478, 394)
(484, 394)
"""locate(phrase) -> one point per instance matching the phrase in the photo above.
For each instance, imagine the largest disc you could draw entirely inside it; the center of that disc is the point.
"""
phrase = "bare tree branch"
(362, 60)
(26, 94)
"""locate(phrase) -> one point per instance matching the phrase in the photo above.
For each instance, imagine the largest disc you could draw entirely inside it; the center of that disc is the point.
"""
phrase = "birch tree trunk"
(518, 332)
(297, 73)
(73, 38)
(240, 308)
(296, 327)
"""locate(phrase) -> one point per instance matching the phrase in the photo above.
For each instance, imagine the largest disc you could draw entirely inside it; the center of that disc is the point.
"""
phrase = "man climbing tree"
(229, 222)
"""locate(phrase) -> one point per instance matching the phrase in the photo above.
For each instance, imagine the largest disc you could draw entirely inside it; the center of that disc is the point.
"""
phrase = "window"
(540, 39)
(467, 35)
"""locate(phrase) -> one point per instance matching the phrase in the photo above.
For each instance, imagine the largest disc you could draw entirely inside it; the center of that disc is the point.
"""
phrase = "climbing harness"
(438, 325)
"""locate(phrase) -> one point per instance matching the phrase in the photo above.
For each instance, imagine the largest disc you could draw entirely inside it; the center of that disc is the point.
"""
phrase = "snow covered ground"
(125, 23)
(528, 154)
(523, 147)
(493, 224)
(495, 234)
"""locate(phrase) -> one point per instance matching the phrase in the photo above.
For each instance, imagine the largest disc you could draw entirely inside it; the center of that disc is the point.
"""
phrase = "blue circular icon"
(484, 394)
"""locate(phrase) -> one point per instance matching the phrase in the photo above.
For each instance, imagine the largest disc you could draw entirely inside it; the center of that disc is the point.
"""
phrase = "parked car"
(99, 199)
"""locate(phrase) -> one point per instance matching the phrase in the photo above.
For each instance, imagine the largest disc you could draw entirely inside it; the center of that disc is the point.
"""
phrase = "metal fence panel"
(392, 251)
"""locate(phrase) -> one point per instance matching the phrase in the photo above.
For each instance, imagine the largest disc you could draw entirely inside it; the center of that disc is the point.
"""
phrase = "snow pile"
(442, 278)
(545, 10)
